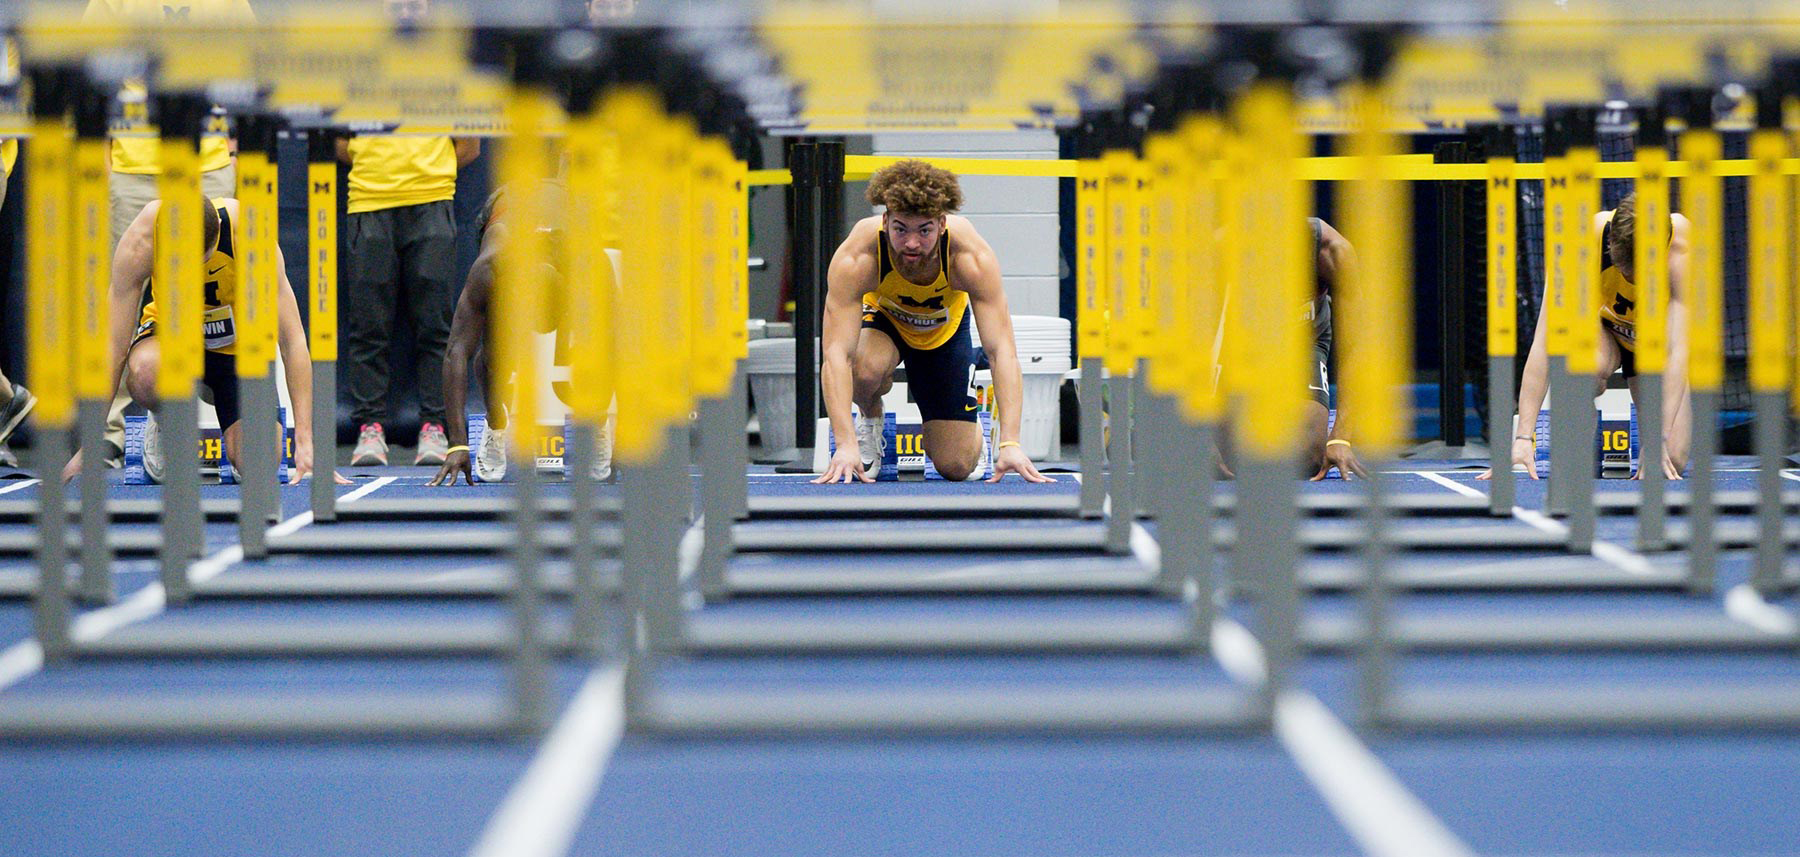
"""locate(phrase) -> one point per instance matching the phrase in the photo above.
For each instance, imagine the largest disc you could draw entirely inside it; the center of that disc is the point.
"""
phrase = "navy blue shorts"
(941, 379)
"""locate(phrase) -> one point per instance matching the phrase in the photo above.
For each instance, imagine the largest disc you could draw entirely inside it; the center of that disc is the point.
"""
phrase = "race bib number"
(220, 327)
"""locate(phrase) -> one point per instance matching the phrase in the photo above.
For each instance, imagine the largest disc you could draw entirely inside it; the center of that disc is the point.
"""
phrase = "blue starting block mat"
(903, 449)
(213, 463)
(552, 445)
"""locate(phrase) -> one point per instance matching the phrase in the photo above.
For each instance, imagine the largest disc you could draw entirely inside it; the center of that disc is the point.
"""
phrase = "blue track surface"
(1633, 794)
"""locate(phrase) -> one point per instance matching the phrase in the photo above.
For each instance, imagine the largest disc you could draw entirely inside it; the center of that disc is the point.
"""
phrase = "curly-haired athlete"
(903, 287)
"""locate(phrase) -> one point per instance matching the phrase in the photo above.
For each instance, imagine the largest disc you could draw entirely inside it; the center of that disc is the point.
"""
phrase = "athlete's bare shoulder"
(854, 264)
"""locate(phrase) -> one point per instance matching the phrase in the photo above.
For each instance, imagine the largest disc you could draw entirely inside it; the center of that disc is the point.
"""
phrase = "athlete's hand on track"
(303, 466)
(454, 463)
(1524, 454)
(1669, 469)
(1014, 460)
(73, 467)
(1344, 459)
(846, 466)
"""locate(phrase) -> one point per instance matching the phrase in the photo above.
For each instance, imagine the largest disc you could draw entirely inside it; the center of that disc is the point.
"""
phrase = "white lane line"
(1370, 802)
(1618, 557)
(23, 659)
(1746, 605)
(1789, 474)
(542, 813)
(1453, 485)
(19, 486)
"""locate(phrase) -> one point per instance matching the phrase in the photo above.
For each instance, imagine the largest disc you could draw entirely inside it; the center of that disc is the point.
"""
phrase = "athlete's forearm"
(297, 365)
(1534, 383)
(456, 394)
(836, 384)
(1009, 396)
(1675, 370)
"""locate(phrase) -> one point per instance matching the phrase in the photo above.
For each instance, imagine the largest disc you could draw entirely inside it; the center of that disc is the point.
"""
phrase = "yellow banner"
(49, 308)
(322, 259)
(93, 271)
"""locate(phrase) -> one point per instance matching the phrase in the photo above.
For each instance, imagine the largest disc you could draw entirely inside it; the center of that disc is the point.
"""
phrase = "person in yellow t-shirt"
(134, 159)
(400, 246)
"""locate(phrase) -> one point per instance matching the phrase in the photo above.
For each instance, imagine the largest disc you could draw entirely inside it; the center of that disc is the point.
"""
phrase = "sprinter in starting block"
(468, 336)
(1618, 341)
(137, 353)
(903, 287)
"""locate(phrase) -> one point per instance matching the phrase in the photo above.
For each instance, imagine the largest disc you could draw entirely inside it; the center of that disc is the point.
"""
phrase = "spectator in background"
(15, 400)
(134, 158)
(400, 245)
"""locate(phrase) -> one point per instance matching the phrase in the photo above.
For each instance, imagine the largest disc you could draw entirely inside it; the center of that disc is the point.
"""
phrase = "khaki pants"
(130, 192)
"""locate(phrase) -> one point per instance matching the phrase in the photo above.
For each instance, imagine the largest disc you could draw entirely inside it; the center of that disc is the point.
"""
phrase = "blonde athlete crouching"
(903, 287)
(137, 354)
(1618, 342)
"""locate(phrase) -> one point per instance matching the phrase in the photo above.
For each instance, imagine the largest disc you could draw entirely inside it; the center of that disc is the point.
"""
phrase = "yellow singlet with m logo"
(221, 292)
(926, 316)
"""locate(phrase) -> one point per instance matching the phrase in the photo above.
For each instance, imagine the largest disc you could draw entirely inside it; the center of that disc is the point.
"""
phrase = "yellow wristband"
(1006, 443)
(1337, 442)
(456, 449)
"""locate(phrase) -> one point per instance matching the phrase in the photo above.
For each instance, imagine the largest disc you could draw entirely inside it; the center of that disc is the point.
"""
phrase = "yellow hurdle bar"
(588, 274)
(93, 272)
(1582, 255)
(1090, 265)
(737, 260)
(1771, 269)
(1199, 319)
(1502, 259)
(629, 114)
(673, 144)
(255, 351)
(521, 282)
(1166, 327)
(50, 310)
(1122, 262)
(1703, 202)
(322, 252)
(179, 270)
(1650, 261)
(1377, 353)
(1272, 354)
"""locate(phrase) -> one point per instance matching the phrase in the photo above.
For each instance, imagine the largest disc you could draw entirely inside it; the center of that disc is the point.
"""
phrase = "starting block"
(213, 463)
(1615, 443)
(552, 445)
(903, 448)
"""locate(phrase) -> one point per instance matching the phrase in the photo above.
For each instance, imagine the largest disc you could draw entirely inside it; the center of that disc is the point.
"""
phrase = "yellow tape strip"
(1771, 274)
(766, 178)
(93, 272)
(49, 310)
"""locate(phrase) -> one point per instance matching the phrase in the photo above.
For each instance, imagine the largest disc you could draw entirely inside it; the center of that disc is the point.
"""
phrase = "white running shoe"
(490, 459)
(870, 442)
(153, 451)
(603, 447)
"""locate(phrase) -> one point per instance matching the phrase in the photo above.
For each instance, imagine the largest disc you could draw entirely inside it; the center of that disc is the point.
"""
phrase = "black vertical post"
(803, 163)
(1452, 313)
(830, 166)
